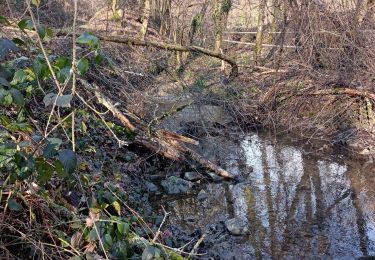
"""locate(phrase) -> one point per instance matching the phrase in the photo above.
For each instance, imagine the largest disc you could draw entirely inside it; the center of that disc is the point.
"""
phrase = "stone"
(215, 177)
(152, 188)
(175, 185)
(237, 226)
(202, 195)
(192, 176)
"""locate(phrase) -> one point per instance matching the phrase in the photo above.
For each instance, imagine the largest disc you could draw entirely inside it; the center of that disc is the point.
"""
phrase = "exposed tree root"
(165, 143)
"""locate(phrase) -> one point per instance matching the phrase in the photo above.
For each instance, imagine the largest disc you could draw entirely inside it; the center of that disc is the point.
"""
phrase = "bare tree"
(259, 37)
(145, 19)
(220, 11)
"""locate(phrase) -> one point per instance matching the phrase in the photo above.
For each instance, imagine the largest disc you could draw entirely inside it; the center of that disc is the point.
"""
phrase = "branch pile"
(165, 143)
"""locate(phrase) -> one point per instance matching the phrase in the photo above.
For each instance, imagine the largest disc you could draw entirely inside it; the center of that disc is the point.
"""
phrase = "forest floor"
(197, 101)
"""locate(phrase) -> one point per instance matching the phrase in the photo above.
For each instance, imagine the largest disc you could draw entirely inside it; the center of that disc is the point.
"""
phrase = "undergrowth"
(56, 202)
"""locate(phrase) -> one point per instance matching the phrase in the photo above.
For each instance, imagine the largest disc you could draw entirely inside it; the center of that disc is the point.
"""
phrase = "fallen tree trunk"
(175, 47)
(344, 91)
(165, 143)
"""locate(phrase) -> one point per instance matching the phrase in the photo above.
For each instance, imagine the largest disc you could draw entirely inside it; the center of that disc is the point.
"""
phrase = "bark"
(176, 47)
(196, 23)
(259, 36)
(145, 18)
(165, 143)
(220, 11)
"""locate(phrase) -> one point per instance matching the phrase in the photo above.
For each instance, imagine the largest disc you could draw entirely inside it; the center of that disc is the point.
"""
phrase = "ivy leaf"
(4, 82)
(89, 39)
(25, 24)
(14, 205)
(4, 20)
(19, 77)
(82, 66)
(68, 160)
(63, 74)
(62, 62)
(108, 240)
(44, 170)
(17, 97)
(45, 33)
(53, 145)
(6, 99)
(18, 41)
(123, 228)
(99, 57)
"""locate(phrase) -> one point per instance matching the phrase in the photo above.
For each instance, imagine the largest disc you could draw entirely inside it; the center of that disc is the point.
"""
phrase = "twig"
(162, 223)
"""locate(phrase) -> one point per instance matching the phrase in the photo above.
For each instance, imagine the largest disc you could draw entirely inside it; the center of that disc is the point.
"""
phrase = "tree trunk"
(220, 11)
(145, 18)
(196, 23)
(259, 37)
(217, 24)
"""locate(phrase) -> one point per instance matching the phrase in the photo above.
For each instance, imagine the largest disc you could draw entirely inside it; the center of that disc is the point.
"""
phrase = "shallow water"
(298, 205)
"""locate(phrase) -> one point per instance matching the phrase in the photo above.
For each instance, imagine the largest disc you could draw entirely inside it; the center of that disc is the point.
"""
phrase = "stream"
(297, 204)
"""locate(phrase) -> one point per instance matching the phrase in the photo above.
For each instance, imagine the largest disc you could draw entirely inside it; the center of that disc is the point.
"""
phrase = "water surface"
(298, 205)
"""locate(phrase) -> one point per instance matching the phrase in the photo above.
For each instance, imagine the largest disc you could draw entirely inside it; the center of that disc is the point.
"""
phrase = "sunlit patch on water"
(296, 206)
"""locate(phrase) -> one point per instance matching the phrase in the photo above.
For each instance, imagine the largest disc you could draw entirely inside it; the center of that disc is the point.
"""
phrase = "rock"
(152, 188)
(237, 226)
(192, 176)
(207, 115)
(175, 185)
(202, 195)
(215, 177)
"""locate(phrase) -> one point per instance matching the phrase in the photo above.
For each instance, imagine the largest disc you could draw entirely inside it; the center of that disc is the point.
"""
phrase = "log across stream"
(296, 204)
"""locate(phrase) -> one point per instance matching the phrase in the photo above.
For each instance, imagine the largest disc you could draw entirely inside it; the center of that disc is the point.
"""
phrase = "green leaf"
(59, 169)
(35, 2)
(14, 205)
(68, 160)
(44, 32)
(117, 207)
(4, 82)
(63, 74)
(7, 99)
(4, 20)
(83, 127)
(25, 24)
(17, 97)
(108, 240)
(18, 41)
(123, 228)
(44, 170)
(62, 62)
(41, 69)
(82, 66)
(99, 57)
(89, 39)
(19, 77)
(53, 145)
(93, 235)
